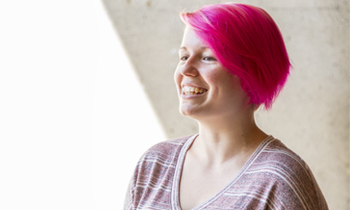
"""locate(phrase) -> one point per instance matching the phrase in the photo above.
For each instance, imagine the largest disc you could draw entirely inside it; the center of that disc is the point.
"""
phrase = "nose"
(189, 69)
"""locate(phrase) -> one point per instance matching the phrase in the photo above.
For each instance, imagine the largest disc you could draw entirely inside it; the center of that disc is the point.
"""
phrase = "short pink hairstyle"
(247, 43)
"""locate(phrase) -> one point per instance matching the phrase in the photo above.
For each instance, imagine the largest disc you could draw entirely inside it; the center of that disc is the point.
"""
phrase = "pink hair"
(247, 42)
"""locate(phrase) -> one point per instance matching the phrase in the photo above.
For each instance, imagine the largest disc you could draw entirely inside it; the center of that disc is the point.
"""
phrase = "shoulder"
(279, 157)
(161, 157)
(280, 165)
(289, 177)
(166, 149)
(153, 175)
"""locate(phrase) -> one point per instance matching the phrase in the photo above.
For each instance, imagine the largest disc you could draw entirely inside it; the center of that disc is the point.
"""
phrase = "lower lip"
(192, 96)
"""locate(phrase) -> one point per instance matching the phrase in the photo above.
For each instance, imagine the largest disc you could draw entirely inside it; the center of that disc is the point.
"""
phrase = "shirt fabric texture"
(274, 177)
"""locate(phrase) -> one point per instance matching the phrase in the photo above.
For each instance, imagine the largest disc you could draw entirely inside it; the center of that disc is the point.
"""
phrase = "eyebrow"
(185, 48)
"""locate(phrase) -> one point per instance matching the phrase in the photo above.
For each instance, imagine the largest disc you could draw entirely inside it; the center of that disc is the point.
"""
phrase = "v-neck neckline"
(175, 192)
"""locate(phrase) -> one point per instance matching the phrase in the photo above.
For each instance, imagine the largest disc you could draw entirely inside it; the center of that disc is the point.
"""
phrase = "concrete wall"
(311, 116)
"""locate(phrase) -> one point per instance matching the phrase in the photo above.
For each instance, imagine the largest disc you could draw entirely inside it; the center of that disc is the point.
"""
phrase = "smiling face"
(205, 89)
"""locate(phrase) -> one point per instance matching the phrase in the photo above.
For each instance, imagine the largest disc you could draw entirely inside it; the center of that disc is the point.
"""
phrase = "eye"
(183, 57)
(209, 58)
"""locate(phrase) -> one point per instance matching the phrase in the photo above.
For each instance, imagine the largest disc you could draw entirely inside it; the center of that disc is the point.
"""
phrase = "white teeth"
(187, 90)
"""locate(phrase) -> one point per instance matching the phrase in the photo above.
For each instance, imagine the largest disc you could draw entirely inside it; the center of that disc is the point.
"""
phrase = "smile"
(187, 90)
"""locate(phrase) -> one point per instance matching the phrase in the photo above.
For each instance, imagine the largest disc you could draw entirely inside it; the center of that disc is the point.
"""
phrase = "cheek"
(227, 83)
(218, 79)
(235, 82)
(177, 78)
(230, 80)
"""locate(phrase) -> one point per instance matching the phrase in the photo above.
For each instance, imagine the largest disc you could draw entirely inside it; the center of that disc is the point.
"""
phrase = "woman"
(232, 60)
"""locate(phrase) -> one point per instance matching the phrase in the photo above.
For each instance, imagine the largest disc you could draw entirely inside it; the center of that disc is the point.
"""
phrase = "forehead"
(190, 40)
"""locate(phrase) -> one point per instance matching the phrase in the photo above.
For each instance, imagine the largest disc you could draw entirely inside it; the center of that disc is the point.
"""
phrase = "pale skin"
(228, 134)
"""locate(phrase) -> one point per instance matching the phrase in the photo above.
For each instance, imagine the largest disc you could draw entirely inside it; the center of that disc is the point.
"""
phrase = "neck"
(222, 139)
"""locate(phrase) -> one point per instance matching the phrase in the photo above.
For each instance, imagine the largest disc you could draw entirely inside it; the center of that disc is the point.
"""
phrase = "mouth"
(188, 90)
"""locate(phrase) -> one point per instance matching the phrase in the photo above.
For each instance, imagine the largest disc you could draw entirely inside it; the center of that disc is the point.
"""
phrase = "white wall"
(70, 108)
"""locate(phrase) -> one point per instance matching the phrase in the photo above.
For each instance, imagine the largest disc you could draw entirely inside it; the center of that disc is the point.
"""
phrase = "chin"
(185, 111)
(189, 112)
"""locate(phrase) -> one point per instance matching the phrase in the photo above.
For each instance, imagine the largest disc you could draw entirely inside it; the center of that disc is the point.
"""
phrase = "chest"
(199, 183)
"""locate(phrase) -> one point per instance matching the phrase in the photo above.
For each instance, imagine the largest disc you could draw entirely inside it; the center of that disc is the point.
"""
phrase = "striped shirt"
(274, 177)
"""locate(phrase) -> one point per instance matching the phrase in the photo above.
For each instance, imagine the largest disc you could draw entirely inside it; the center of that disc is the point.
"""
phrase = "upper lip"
(192, 85)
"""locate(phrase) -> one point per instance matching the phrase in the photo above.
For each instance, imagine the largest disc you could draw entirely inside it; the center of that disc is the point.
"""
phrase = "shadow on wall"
(311, 114)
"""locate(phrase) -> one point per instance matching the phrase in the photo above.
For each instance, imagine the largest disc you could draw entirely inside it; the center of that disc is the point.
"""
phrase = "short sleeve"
(128, 202)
